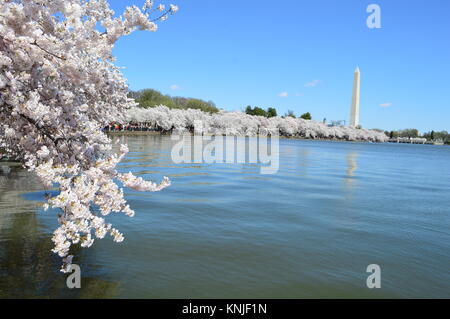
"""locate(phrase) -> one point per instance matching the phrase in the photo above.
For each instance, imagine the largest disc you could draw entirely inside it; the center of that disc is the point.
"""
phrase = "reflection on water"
(28, 268)
(226, 231)
(352, 165)
(14, 182)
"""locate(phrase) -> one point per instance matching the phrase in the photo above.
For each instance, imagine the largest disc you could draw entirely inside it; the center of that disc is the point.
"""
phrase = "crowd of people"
(131, 126)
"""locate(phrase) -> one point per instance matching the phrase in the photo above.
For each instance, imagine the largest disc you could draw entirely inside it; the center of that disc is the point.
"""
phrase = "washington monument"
(354, 112)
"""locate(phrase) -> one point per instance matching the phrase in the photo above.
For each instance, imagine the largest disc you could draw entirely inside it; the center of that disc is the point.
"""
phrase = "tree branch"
(48, 52)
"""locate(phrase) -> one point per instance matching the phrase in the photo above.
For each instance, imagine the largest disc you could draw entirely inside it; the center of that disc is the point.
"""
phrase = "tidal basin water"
(226, 231)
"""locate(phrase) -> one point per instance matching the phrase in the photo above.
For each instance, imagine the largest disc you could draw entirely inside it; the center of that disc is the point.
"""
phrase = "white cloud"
(283, 94)
(174, 87)
(387, 104)
(312, 83)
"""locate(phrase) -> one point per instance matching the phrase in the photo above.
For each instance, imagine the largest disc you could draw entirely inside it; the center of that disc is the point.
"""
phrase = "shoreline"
(142, 133)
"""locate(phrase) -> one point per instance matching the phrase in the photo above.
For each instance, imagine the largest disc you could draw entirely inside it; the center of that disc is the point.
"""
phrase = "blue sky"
(241, 52)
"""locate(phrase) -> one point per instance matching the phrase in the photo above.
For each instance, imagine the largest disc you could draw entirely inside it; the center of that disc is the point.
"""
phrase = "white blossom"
(58, 89)
(161, 118)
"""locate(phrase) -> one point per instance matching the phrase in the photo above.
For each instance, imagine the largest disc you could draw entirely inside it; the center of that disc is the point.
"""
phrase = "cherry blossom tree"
(58, 88)
(161, 118)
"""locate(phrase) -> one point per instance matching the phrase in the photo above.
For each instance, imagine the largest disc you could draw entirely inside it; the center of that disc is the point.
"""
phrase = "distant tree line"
(150, 98)
(165, 120)
(442, 136)
(147, 98)
(409, 132)
(272, 112)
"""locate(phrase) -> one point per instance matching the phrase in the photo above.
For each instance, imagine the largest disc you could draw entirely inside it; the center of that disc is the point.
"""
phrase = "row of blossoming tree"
(161, 118)
(58, 88)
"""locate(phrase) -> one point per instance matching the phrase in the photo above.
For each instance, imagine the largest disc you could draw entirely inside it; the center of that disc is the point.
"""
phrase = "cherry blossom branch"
(48, 52)
(51, 113)
(165, 14)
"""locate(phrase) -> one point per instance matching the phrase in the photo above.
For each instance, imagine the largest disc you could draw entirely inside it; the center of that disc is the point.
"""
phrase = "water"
(226, 231)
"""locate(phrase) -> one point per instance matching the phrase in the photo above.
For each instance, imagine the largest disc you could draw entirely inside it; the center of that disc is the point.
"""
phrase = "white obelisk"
(354, 112)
